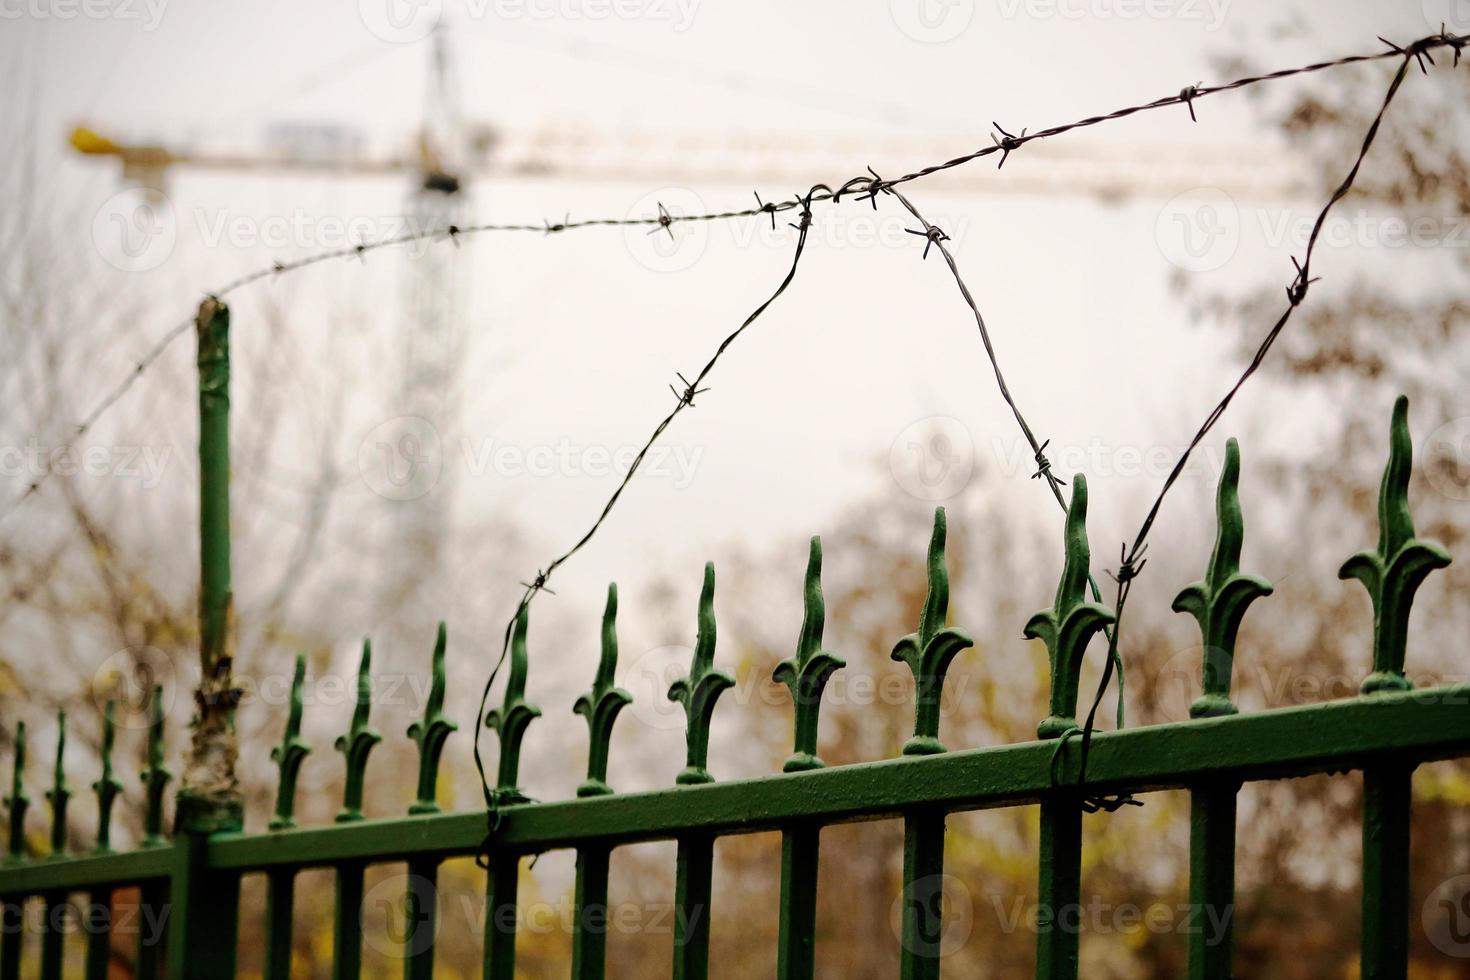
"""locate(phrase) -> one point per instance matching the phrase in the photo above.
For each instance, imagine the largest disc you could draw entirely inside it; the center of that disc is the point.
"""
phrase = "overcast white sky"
(574, 338)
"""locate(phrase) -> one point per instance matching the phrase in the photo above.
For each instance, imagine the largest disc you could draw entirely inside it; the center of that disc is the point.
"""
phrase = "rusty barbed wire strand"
(863, 187)
(1131, 557)
(683, 399)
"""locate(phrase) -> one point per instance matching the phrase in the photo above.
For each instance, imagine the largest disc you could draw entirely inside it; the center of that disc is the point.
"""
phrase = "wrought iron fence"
(195, 874)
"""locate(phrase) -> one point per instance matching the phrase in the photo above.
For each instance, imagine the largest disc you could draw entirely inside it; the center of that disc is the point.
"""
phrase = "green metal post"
(98, 918)
(206, 905)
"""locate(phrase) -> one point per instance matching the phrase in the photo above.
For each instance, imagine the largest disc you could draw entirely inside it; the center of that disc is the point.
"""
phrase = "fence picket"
(1066, 629)
(694, 868)
(1392, 573)
(806, 674)
(600, 706)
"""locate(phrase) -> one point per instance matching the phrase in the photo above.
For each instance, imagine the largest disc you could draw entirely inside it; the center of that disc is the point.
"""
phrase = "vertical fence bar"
(280, 895)
(806, 675)
(589, 929)
(13, 922)
(280, 904)
(153, 895)
(421, 905)
(1218, 603)
(693, 881)
(1059, 895)
(509, 721)
(1066, 629)
(12, 910)
(501, 887)
(1386, 806)
(600, 706)
(1212, 882)
(53, 930)
(694, 866)
(928, 653)
(98, 918)
(1391, 573)
(796, 938)
(356, 746)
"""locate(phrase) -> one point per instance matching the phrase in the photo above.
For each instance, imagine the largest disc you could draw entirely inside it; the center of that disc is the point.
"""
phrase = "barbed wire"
(684, 399)
(1131, 557)
(935, 237)
(863, 187)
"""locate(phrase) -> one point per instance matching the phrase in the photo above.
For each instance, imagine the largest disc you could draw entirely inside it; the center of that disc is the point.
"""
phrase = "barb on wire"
(1131, 559)
(866, 188)
(685, 400)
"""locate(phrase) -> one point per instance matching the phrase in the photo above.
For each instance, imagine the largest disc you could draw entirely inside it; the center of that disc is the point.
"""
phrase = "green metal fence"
(195, 874)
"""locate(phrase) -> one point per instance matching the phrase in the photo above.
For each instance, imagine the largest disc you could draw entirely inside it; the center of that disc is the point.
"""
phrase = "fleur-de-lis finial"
(107, 785)
(18, 802)
(60, 792)
(703, 686)
(155, 776)
(929, 652)
(1069, 625)
(807, 673)
(356, 745)
(1394, 572)
(600, 706)
(290, 753)
(509, 721)
(1219, 601)
(431, 731)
